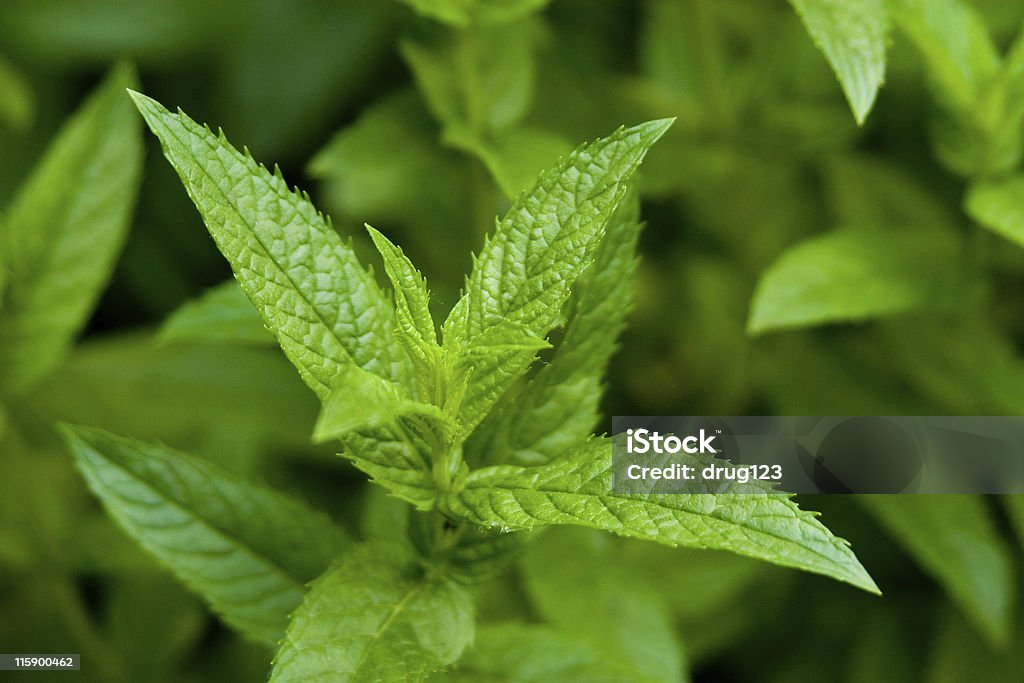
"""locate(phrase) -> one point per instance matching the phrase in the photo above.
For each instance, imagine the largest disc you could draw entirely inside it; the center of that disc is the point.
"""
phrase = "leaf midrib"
(393, 614)
(505, 487)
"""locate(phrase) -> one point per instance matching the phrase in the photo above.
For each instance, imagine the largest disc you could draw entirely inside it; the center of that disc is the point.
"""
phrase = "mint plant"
(456, 425)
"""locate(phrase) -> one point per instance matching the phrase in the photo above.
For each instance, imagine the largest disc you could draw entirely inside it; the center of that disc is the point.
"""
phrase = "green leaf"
(954, 42)
(549, 237)
(222, 315)
(624, 618)
(232, 405)
(465, 12)
(559, 407)
(968, 363)
(868, 190)
(851, 34)
(859, 273)
(480, 79)
(396, 458)
(246, 549)
(17, 104)
(482, 372)
(376, 616)
(515, 157)
(534, 653)
(957, 654)
(576, 489)
(1015, 507)
(954, 539)
(365, 401)
(153, 624)
(64, 231)
(999, 206)
(324, 307)
(412, 308)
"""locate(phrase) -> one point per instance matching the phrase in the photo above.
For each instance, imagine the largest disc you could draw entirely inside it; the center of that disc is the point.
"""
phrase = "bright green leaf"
(246, 549)
(364, 401)
(559, 407)
(325, 308)
(376, 616)
(64, 231)
(483, 372)
(954, 539)
(549, 237)
(851, 34)
(576, 489)
(853, 274)
(222, 315)
(412, 308)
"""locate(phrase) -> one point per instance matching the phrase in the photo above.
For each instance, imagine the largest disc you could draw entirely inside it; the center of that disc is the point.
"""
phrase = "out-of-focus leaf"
(389, 169)
(954, 43)
(268, 71)
(954, 540)
(222, 315)
(1015, 508)
(376, 616)
(858, 273)
(514, 158)
(975, 134)
(153, 623)
(619, 616)
(999, 206)
(532, 653)
(964, 362)
(233, 405)
(64, 231)
(870, 192)
(246, 550)
(387, 164)
(465, 12)
(959, 654)
(68, 33)
(851, 34)
(480, 79)
(882, 651)
(17, 104)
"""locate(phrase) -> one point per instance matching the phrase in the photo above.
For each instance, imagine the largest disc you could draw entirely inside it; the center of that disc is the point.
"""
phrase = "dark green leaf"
(245, 549)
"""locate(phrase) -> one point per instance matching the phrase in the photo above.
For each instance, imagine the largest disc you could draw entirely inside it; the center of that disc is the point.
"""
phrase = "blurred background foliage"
(423, 118)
